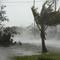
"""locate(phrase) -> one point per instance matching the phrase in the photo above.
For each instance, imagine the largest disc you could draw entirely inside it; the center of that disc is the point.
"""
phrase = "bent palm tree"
(47, 17)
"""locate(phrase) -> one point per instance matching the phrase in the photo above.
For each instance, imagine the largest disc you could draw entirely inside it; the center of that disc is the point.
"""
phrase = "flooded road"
(31, 48)
(6, 52)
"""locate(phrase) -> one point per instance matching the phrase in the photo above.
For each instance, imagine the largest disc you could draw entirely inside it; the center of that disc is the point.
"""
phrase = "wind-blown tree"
(5, 32)
(6, 35)
(47, 17)
(3, 18)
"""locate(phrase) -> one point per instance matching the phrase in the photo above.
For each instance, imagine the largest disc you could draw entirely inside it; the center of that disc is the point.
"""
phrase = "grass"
(50, 56)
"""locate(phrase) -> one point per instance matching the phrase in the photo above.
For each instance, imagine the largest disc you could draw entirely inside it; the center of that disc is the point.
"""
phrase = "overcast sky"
(19, 12)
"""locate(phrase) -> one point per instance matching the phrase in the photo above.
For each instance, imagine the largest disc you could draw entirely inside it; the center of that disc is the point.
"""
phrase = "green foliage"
(10, 30)
(47, 16)
(3, 16)
(51, 56)
(51, 19)
(5, 36)
(5, 39)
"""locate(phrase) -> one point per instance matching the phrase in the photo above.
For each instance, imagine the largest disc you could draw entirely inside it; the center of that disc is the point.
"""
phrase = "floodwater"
(25, 49)
(29, 47)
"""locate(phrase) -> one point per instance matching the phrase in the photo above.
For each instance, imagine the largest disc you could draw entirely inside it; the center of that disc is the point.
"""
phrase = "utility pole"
(34, 3)
(55, 11)
(34, 20)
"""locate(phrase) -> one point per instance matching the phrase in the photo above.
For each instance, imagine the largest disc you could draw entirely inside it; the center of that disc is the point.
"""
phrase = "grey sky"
(20, 14)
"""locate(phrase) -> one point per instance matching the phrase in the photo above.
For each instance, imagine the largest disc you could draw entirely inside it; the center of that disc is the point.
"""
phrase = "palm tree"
(47, 17)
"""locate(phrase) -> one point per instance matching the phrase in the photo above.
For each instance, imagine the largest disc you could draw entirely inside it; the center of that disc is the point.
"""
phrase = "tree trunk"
(44, 49)
(43, 38)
